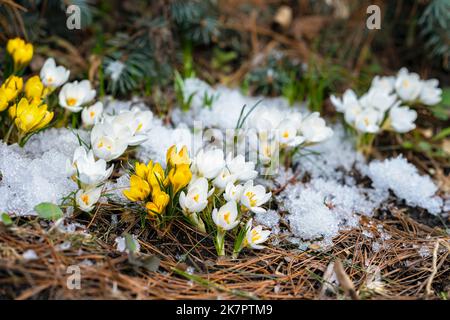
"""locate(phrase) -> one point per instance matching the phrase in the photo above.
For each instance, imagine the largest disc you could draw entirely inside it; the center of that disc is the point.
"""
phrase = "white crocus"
(402, 119)
(254, 196)
(268, 150)
(368, 121)
(408, 85)
(314, 129)
(287, 134)
(233, 192)
(90, 172)
(255, 236)
(92, 114)
(209, 163)
(86, 199)
(378, 98)
(430, 93)
(138, 123)
(349, 100)
(265, 119)
(223, 178)
(385, 83)
(196, 198)
(75, 94)
(53, 76)
(71, 166)
(109, 142)
(226, 218)
(242, 169)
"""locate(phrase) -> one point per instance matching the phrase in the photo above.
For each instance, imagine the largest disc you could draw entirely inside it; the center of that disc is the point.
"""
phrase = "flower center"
(226, 217)
(71, 101)
(286, 134)
(366, 121)
(251, 197)
(92, 114)
(85, 199)
(196, 197)
(406, 83)
(255, 236)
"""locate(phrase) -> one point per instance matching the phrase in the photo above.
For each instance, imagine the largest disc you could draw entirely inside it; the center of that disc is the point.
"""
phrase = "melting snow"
(403, 178)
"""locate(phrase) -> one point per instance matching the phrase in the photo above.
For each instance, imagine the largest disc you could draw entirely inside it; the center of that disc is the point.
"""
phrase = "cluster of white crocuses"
(222, 189)
(110, 137)
(277, 130)
(386, 106)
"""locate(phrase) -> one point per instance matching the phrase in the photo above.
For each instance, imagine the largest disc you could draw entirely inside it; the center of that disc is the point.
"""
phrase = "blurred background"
(302, 49)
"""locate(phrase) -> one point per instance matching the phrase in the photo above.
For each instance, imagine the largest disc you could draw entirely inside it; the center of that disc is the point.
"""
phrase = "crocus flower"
(75, 94)
(430, 93)
(12, 87)
(109, 142)
(179, 177)
(4, 102)
(86, 199)
(255, 236)
(209, 163)
(349, 100)
(29, 117)
(139, 189)
(160, 199)
(314, 129)
(233, 192)
(253, 197)
(175, 157)
(34, 89)
(137, 122)
(156, 176)
(242, 169)
(223, 178)
(368, 121)
(408, 85)
(92, 114)
(226, 218)
(378, 98)
(386, 83)
(196, 198)
(287, 134)
(90, 172)
(402, 119)
(20, 51)
(53, 76)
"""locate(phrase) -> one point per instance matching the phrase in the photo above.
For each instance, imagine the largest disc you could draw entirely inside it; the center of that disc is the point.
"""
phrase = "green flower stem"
(220, 242)
(8, 134)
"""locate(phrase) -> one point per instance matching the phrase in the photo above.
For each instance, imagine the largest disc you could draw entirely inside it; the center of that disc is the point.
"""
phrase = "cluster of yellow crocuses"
(20, 51)
(155, 186)
(25, 103)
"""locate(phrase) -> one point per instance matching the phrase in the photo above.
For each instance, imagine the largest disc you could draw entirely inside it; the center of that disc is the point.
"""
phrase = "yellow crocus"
(13, 44)
(21, 52)
(160, 200)
(175, 158)
(156, 177)
(34, 89)
(29, 117)
(179, 177)
(139, 189)
(142, 170)
(12, 87)
(3, 100)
